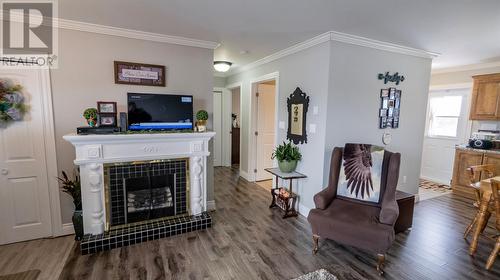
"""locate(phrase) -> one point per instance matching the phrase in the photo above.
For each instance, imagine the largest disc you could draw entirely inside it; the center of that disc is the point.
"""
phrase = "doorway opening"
(446, 127)
(265, 117)
(235, 127)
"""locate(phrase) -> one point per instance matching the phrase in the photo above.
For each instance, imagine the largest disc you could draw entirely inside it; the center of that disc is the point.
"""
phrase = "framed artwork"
(298, 104)
(106, 107)
(389, 113)
(107, 120)
(141, 74)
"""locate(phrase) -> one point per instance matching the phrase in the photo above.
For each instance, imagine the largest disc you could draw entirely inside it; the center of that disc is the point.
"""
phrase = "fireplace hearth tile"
(141, 233)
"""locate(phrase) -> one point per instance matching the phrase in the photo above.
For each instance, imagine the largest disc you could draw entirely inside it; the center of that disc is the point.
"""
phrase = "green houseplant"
(73, 188)
(287, 155)
(202, 117)
(90, 114)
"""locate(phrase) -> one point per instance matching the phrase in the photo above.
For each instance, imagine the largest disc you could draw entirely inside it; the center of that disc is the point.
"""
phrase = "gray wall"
(219, 82)
(308, 70)
(354, 102)
(85, 76)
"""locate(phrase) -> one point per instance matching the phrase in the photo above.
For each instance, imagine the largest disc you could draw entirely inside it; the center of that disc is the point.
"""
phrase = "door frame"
(252, 151)
(230, 87)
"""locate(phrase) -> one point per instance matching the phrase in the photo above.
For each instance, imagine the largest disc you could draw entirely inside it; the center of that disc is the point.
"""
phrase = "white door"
(218, 128)
(24, 187)
(446, 127)
(265, 130)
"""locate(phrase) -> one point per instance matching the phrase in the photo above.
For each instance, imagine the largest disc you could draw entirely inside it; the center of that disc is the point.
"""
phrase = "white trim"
(304, 210)
(235, 85)
(417, 198)
(467, 67)
(123, 32)
(339, 37)
(67, 229)
(211, 205)
(252, 151)
(50, 153)
(243, 174)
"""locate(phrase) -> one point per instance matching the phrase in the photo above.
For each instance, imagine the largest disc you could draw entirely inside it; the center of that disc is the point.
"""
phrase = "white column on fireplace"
(93, 151)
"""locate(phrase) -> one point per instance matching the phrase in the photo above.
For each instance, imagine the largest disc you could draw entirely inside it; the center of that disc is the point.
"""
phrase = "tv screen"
(159, 111)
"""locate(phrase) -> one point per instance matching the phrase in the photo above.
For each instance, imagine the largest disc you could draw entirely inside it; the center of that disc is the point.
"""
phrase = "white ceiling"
(463, 31)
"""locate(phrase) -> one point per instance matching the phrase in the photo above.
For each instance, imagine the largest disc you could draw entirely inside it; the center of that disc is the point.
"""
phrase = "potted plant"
(90, 114)
(73, 188)
(202, 117)
(287, 155)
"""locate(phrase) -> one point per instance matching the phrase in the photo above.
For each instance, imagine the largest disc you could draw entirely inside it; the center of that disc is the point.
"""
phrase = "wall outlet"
(281, 125)
(312, 128)
(315, 110)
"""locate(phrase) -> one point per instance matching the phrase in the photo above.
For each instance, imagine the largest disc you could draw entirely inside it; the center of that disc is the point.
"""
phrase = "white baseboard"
(417, 198)
(211, 205)
(244, 175)
(303, 210)
(67, 229)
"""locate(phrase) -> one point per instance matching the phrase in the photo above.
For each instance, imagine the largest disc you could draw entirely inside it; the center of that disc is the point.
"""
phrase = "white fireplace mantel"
(93, 151)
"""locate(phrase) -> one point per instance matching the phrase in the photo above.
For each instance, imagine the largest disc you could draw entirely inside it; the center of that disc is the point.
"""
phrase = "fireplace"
(142, 191)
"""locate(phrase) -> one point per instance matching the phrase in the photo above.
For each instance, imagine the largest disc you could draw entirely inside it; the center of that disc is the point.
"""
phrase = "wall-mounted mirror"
(298, 103)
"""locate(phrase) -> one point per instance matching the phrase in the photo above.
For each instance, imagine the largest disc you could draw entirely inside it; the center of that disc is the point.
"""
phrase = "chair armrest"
(389, 209)
(324, 198)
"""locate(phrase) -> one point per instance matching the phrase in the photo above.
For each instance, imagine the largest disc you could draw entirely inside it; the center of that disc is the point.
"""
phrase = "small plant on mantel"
(287, 155)
(73, 188)
(202, 117)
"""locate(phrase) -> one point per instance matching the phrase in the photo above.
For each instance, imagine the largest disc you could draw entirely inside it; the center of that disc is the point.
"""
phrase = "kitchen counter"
(464, 147)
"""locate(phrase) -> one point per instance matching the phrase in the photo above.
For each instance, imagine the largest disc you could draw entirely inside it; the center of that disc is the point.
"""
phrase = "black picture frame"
(298, 105)
(108, 120)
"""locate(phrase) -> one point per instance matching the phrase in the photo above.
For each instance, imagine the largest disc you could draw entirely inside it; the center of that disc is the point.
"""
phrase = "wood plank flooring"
(250, 241)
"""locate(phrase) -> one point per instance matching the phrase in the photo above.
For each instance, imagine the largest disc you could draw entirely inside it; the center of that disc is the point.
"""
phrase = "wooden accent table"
(406, 203)
(283, 198)
(483, 215)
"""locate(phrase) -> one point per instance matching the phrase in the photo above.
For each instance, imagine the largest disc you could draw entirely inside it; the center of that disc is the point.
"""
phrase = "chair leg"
(470, 227)
(493, 255)
(315, 243)
(380, 263)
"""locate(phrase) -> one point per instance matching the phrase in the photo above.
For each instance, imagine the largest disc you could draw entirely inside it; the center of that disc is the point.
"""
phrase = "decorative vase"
(78, 224)
(287, 166)
(201, 125)
(92, 122)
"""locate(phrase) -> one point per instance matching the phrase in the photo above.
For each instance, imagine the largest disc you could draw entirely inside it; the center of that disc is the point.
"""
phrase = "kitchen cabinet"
(485, 103)
(464, 158)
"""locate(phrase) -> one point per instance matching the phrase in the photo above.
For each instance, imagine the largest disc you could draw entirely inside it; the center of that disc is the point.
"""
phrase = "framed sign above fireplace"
(141, 74)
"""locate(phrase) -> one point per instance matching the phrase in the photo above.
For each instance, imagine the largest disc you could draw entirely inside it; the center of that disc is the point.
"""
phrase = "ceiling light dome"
(222, 66)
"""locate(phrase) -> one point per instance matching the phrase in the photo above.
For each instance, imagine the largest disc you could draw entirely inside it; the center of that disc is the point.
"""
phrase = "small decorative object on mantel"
(12, 107)
(395, 78)
(139, 74)
(90, 115)
(297, 104)
(107, 113)
(201, 123)
(287, 155)
(73, 188)
(389, 108)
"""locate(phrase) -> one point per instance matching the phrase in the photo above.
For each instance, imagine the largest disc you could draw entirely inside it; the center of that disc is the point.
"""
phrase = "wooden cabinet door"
(492, 159)
(463, 160)
(486, 98)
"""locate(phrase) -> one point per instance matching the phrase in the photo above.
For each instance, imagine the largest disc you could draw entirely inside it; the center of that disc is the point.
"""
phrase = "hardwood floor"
(250, 241)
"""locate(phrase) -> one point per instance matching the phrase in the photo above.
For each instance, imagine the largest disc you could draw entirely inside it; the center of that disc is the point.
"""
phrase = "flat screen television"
(159, 111)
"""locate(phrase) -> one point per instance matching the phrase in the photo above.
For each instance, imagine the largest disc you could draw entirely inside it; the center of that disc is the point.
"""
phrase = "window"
(444, 115)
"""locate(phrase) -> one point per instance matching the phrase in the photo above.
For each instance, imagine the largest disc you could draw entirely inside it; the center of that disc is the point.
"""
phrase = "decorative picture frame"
(389, 113)
(298, 105)
(107, 120)
(105, 107)
(131, 73)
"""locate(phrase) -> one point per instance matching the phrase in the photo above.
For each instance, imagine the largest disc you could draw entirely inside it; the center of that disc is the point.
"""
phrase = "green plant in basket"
(287, 155)
(202, 117)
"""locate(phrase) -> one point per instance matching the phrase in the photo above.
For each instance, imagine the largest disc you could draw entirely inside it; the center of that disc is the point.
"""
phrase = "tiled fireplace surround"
(102, 158)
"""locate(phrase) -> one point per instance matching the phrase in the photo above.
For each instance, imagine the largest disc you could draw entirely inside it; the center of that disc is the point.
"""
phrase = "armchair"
(368, 226)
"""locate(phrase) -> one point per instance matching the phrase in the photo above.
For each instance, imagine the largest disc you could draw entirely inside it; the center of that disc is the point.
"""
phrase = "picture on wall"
(390, 100)
(298, 104)
(141, 74)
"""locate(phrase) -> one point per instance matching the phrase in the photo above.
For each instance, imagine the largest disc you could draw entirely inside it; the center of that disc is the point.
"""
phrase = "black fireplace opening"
(149, 197)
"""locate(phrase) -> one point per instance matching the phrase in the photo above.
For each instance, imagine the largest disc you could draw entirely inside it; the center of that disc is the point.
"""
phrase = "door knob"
(5, 171)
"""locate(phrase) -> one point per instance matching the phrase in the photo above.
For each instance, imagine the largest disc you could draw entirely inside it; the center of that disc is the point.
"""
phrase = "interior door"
(265, 130)
(218, 128)
(446, 127)
(24, 188)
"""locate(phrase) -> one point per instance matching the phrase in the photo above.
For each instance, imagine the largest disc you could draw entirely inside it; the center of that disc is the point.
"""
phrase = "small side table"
(406, 203)
(283, 198)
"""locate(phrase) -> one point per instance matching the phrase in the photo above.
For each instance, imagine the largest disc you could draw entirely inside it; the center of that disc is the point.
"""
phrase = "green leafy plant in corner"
(202, 115)
(90, 113)
(73, 188)
(287, 152)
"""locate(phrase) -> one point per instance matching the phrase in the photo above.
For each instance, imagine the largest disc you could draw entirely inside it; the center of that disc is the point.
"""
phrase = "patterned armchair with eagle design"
(359, 208)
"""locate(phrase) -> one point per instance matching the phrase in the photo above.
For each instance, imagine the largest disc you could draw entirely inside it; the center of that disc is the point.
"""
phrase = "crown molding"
(467, 67)
(338, 37)
(121, 32)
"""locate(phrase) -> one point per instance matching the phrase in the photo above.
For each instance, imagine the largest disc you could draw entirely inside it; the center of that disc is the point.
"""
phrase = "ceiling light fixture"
(222, 66)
